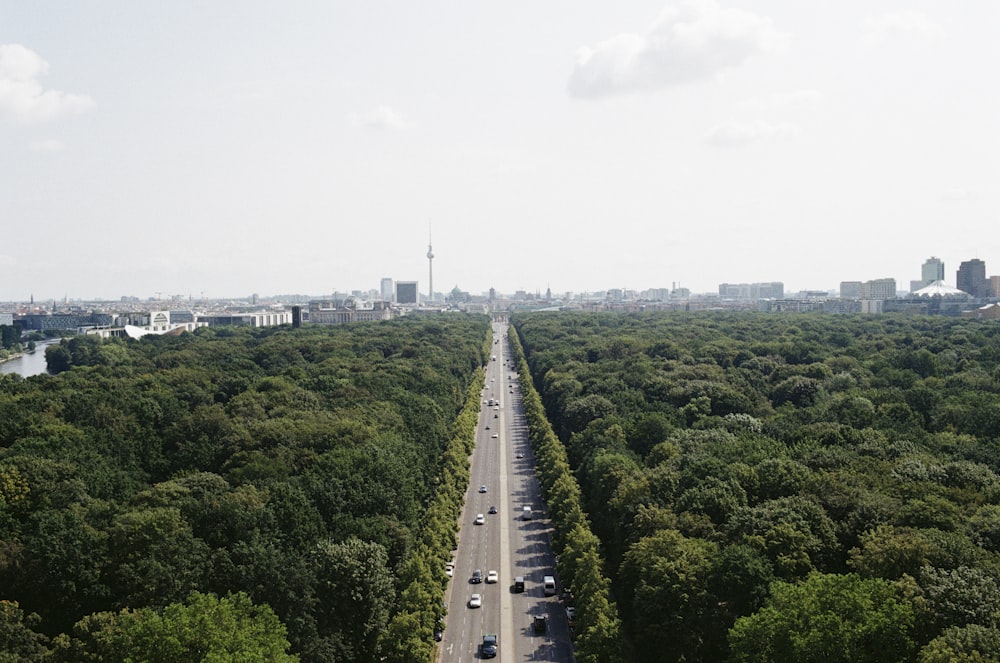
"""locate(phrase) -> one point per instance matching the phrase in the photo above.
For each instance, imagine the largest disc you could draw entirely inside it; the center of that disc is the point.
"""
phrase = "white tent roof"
(940, 288)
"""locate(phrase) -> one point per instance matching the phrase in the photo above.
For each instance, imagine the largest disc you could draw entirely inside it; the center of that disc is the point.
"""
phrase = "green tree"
(955, 597)
(664, 593)
(201, 628)
(18, 640)
(355, 590)
(963, 644)
(827, 618)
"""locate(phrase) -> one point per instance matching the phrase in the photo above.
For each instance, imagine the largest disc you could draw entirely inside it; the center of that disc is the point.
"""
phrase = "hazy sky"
(230, 147)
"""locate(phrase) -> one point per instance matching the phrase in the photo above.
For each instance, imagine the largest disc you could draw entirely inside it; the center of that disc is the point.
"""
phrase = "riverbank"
(27, 363)
(17, 355)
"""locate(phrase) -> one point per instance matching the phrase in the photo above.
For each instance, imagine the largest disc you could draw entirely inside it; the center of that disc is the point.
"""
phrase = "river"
(28, 364)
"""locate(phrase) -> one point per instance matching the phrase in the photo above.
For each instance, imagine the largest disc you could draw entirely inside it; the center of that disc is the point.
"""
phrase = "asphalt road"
(506, 542)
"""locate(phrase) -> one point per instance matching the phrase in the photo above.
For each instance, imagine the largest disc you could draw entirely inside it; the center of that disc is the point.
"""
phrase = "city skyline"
(246, 147)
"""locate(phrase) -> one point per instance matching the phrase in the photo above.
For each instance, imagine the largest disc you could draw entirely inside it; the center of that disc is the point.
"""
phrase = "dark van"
(519, 584)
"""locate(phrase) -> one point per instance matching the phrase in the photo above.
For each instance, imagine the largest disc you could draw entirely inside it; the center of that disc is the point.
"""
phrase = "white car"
(476, 601)
(495, 435)
(480, 519)
(449, 570)
(482, 488)
(492, 577)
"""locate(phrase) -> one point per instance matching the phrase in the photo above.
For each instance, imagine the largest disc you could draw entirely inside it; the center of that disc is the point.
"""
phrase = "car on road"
(449, 569)
(482, 488)
(487, 426)
(539, 624)
(480, 519)
(492, 577)
(519, 455)
(489, 647)
(495, 435)
(570, 613)
(477, 577)
(476, 601)
(493, 510)
(495, 416)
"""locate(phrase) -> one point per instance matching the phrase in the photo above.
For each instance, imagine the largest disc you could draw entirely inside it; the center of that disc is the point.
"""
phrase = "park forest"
(724, 487)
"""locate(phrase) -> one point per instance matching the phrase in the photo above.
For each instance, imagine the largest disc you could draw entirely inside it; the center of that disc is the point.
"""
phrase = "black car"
(489, 646)
(493, 509)
(477, 577)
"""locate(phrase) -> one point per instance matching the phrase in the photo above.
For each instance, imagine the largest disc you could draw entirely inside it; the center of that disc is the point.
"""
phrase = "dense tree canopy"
(301, 471)
(728, 459)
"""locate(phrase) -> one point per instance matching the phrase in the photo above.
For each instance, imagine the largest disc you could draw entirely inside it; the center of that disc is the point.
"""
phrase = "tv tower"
(430, 266)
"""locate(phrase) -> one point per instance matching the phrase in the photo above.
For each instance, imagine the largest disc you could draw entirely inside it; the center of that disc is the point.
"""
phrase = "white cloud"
(737, 134)
(22, 97)
(958, 194)
(689, 41)
(902, 23)
(48, 145)
(778, 102)
(383, 117)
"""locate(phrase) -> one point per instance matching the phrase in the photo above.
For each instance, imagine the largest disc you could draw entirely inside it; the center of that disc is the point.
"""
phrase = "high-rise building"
(406, 292)
(971, 278)
(386, 289)
(933, 270)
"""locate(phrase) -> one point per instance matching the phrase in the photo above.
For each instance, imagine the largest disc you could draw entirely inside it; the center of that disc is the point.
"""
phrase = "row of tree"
(286, 475)
(409, 636)
(771, 487)
(580, 564)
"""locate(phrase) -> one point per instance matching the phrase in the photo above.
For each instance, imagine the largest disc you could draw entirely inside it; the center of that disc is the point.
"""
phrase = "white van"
(550, 585)
(526, 513)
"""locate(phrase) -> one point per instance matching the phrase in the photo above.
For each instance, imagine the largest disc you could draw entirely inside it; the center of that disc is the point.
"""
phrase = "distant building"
(971, 278)
(932, 270)
(136, 324)
(406, 292)
(259, 319)
(791, 305)
(43, 321)
(872, 305)
(995, 286)
(7, 319)
(656, 294)
(322, 314)
(988, 312)
(752, 291)
(878, 289)
(386, 289)
(850, 289)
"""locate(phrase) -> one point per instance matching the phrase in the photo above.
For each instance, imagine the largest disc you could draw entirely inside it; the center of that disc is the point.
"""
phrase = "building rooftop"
(940, 288)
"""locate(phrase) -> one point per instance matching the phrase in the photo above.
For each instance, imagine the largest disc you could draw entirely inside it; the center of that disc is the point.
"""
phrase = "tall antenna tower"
(430, 265)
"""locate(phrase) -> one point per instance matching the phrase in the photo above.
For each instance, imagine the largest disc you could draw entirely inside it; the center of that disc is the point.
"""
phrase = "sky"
(216, 149)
